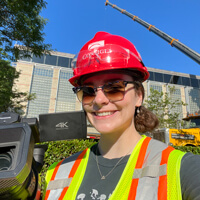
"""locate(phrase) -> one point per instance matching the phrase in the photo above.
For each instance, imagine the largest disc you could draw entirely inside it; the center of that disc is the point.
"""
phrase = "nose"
(100, 98)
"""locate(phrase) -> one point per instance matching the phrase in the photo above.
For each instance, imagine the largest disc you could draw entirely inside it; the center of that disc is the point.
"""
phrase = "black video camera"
(21, 159)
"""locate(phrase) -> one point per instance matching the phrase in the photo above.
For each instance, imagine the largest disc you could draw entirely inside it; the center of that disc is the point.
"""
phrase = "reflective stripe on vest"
(147, 175)
(150, 175)
(173, 171)
(62, 176)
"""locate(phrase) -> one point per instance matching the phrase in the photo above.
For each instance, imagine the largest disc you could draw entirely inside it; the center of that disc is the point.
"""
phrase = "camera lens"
(6, 159)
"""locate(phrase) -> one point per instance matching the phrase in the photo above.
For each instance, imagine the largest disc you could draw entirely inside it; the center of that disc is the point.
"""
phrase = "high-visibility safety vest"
(152, 172)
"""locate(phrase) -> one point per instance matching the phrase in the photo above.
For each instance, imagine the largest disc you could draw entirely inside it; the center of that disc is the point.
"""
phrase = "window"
(41, 86)
(176, 96)
(43, 72)
(167, 78)
(151, 77)
(63, 62)
(21, 56)
(66, 99)
(70, 62)
(156, 86)
(186, 81)
(158, 77)
(51, 60)
(38, 59)
(194, 83)
(175, 80)
(194, 99)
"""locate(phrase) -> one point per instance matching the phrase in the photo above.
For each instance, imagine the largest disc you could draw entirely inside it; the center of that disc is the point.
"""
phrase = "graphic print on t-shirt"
(94, 194)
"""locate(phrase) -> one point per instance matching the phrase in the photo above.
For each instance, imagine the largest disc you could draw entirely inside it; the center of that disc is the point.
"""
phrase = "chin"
(105, 128)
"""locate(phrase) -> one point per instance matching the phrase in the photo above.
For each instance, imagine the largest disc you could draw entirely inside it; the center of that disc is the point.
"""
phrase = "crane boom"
(174, 42)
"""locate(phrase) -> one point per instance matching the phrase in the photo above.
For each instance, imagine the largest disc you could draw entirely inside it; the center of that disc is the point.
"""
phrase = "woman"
(108, 76)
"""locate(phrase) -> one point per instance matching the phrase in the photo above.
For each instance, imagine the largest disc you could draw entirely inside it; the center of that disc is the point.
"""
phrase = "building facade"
(187, 88)
(48, 76)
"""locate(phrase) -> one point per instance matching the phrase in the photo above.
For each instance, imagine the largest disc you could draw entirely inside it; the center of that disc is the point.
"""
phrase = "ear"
(139, 99)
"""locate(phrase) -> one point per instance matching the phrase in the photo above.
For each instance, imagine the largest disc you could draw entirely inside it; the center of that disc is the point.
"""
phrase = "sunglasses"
(114, 91)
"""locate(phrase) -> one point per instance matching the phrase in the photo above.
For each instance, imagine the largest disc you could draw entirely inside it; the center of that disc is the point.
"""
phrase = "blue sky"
(73, 23)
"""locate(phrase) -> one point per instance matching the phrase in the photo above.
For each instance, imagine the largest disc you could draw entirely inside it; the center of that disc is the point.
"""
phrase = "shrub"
(192, 149)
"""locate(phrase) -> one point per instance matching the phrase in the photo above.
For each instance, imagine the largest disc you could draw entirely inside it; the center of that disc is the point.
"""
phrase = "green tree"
(21, 23)
(10, 98)
(164, 106)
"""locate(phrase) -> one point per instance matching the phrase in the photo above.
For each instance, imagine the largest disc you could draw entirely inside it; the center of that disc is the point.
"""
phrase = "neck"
(116, 145)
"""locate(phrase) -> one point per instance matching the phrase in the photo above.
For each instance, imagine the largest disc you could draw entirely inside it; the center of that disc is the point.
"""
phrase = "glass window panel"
(21, 56)
(38, 59)
(176, 96)
(70, 61)
(66, 99)
(194, 99)
(65, 75)
(176, 80)
(185, 81)
(63, 61)
(151, 77)
(51, 60)
(41, 77)
(158, 77)
(194, 82)
(167, 78)
(156, 86)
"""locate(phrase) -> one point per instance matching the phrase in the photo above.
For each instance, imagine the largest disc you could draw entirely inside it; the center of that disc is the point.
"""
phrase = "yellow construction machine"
(189, 135)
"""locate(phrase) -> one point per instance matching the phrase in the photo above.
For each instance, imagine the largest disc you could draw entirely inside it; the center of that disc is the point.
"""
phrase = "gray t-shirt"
(94, 188)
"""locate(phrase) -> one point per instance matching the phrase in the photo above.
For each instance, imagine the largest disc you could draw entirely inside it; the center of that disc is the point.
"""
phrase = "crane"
(172, 41)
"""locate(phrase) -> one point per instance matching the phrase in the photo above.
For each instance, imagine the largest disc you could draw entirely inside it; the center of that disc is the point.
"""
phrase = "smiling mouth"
(102, 114)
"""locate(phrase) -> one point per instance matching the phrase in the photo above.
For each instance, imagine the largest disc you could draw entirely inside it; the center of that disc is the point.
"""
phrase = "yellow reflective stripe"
(77, 179)
(173, 175)
(122, 189)
(48, 176)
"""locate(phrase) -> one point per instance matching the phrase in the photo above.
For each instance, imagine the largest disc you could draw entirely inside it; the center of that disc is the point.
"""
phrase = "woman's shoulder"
(190, 163)
(190, 176)
(156, 146)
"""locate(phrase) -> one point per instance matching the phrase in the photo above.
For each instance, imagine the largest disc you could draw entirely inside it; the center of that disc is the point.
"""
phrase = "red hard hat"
(107, 52)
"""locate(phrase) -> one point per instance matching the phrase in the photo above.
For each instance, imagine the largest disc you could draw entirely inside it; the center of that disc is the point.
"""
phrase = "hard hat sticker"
(96, 44)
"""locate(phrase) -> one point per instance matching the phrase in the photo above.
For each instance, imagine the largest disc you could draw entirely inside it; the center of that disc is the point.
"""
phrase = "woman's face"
(111, 117)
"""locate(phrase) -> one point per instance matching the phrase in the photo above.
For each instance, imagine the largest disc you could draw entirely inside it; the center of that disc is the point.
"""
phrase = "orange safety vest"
(152, 172)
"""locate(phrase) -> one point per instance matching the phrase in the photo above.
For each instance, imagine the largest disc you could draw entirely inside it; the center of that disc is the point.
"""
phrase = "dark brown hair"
(144, 119)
